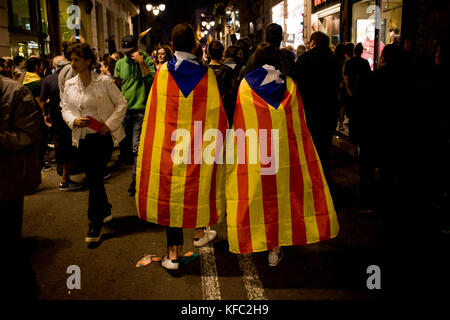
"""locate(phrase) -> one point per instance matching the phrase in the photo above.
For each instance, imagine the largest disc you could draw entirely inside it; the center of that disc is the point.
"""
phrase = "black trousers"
(12, 216)
(95, 151)
(174, 236)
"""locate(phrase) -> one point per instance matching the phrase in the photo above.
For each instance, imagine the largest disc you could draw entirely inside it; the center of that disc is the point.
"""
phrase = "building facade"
(30, 27)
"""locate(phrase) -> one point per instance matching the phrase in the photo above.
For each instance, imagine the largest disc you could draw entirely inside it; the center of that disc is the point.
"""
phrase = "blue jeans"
(129, 146)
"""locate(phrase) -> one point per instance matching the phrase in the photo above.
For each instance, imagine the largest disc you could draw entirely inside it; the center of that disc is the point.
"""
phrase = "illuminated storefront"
(326, 17)
(289, 14)
(363, 25)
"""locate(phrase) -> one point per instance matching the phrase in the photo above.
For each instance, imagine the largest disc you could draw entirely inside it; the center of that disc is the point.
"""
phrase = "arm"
(67, 115)
(24, 129)
(120, 105)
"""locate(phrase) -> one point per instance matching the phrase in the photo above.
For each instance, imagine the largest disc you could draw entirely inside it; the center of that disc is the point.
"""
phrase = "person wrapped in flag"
(176, 186)
(276, 191)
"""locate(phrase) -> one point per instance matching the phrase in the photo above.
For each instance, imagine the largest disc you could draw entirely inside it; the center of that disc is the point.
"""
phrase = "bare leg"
(66, 172)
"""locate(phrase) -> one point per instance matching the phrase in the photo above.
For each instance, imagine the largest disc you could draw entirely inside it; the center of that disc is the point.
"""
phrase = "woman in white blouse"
(94, 108)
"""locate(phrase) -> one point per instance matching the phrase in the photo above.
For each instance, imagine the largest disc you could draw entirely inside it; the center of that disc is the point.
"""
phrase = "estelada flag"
(282, 198)
(183, 104)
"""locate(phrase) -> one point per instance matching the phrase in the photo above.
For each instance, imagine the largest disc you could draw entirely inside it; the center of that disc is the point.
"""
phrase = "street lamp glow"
(212, 23)
(162, 7)
(149, 7)
(156, 11)
(208, 26)
(203, 23)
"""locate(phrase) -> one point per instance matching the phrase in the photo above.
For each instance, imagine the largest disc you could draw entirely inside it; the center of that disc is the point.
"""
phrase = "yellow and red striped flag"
(184, 99)
(284, 201)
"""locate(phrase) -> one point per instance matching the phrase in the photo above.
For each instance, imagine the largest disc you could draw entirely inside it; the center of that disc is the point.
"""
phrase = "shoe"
(275, 258)
(132, 189)
(94, 233)
(209, 235)
(170, 264)
(108, 216)
(107, 176)
(70, 185)
(46, 167)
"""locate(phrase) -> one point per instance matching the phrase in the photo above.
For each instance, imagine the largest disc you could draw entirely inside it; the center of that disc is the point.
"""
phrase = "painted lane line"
(252, 283)
(210, 281)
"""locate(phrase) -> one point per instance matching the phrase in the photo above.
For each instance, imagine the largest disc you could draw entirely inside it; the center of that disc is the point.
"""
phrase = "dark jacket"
(20, 134)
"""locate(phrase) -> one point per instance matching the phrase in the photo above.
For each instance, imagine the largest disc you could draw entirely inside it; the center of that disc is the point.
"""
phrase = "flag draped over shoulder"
(282, 198)
(175, 186)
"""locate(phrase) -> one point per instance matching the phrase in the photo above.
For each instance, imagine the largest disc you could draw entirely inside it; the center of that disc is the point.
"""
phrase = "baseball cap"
(129, 42)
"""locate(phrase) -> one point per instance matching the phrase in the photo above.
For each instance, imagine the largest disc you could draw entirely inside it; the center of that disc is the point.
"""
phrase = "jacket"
(20, 134)
(111, 105)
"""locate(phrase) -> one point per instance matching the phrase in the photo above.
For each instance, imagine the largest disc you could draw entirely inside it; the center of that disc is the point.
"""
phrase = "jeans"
(129, 146)
(94, 153)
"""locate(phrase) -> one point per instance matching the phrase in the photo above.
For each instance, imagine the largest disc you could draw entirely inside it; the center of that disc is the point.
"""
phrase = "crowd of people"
(85, 104)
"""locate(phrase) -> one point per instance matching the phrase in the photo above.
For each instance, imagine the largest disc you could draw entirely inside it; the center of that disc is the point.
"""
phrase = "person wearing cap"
(135, 72)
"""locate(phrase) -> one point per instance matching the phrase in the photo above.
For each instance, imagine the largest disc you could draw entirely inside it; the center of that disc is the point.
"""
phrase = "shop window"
(43, 14)
(21, 14)
(363, 25)
(289, 15)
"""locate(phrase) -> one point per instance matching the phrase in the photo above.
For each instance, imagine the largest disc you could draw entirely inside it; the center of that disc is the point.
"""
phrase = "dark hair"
(267, 53)
(244, 45)
(110, 64)
(183, 37)
(215, 50)
(232, 52)
(339, 52)
(167, 50)
(359, 49)
(321, 40)
(32, 63)
(392, 55)
(274, 34)
(349, 48)
(82, 50)
(18, 60)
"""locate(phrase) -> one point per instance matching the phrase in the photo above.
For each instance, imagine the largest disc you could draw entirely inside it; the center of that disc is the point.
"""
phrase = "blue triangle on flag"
(187, 75)
(272, 93)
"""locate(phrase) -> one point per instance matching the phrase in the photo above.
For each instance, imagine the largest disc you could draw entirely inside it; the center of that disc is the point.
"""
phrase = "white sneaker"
(275, 258)
(170, 264)
(209, 235)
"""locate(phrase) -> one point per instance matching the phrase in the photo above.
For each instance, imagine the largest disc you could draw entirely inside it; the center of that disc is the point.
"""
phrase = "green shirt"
(135, 88)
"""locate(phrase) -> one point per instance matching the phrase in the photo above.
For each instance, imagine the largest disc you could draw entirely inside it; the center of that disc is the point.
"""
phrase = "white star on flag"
(272, 75)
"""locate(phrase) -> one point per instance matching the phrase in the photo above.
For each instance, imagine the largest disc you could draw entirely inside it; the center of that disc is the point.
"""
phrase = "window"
(21, 14)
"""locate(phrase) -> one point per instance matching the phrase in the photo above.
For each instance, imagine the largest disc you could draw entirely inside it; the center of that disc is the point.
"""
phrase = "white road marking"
(252, 283)
(210, 281)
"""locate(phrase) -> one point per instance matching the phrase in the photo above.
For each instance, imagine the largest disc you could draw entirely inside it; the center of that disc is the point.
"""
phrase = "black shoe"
(70, 185)
(132, 189)
(94, 233)
(46, 167)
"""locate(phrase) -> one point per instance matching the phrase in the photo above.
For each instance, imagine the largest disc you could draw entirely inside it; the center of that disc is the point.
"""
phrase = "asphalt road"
(55, 224)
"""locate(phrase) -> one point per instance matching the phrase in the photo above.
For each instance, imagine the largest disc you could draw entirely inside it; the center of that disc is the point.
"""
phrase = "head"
(6, 66)
(34, 65)
(57, 59)
(235, 52)
(391, 56)
(319, 40)
(20, 61)
(244, 45)
(81, 57)
(129, 45)
(274, 34)
(358, 49)
(215, 50)
(349, 49)
(107, 66)
(163, 54)
(267, 53)
(339, 51)
(301, 49)
(370, 32)
(183, 38)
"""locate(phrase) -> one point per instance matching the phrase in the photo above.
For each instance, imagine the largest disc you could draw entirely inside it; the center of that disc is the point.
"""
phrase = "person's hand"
(81, 122)
(136, 56)
(232, 29)
(48, 120)
(104, 130)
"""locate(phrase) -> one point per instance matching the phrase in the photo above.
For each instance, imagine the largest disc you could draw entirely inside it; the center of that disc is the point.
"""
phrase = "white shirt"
(101, 100)
(182, 55)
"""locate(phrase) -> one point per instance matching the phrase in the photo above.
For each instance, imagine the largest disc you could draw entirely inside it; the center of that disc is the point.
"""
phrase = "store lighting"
(149, 7)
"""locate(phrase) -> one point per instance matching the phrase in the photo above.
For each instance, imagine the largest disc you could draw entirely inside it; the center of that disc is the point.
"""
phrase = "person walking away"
(175, 188)
(20, 132)
(289, 202)
(318, 74)
(61, 132)
(95, 123)
(135, 71)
